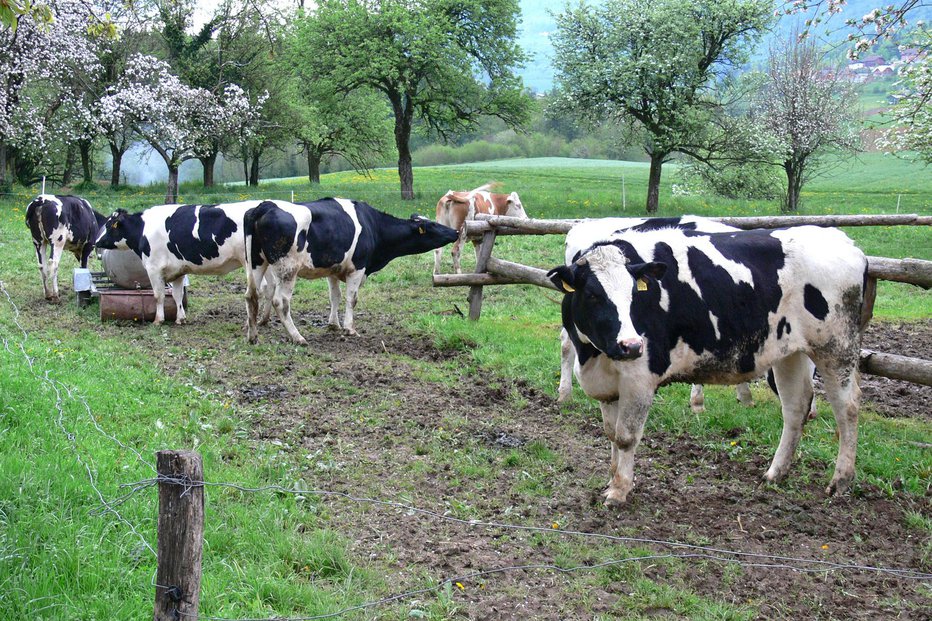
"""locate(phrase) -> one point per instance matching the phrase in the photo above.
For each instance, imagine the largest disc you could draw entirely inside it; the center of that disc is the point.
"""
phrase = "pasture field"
(427, 410)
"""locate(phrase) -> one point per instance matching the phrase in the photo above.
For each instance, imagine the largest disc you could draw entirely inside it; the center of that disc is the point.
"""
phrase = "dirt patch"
(382, 415)
(893, 397)
(364, 403)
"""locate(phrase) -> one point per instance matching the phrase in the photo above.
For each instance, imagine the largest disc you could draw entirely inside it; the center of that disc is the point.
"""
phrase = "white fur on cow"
(455, 208)
(654, 307)
(60, 223)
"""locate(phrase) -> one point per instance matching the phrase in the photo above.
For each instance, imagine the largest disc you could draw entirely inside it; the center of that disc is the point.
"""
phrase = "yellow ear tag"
(642, 284)
(420, 230)
(567, 288)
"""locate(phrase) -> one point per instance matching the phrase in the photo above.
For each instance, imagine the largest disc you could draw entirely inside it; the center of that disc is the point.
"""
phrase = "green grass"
(269, 554)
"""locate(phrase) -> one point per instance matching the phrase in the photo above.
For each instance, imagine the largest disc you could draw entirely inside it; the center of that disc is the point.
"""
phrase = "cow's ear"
(564, 277)
(654, 269)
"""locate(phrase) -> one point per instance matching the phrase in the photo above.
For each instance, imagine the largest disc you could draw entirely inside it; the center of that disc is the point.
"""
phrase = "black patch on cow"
(270, 231)
(815, 302)
(125, 226)
(654, 224)
(214, 227)
(784, 325)
(331, 234)
(302, 240)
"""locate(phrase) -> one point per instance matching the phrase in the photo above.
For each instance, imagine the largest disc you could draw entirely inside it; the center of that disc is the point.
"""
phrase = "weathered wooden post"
(180, 534)
(482, 262)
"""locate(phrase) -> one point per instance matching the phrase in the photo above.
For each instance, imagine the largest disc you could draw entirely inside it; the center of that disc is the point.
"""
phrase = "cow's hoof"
(697, 409)
(614, 499)
(563, 397)
(333, 327)
(180, 322)
(351, 332)
(252, 339)
(300, 341)
(838, 486)
(53, 299)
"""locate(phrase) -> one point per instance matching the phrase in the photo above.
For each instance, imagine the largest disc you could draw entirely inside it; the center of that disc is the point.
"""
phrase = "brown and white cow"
(455, 208)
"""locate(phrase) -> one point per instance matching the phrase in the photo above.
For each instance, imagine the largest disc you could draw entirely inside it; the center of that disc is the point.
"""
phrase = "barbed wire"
(60, 390)
(823, 565)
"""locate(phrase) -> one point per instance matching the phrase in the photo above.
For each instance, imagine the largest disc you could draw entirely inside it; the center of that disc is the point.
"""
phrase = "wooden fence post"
(482, 261)
(180, 535)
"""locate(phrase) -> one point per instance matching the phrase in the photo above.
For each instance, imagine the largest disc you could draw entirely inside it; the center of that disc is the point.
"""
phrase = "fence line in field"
(65, 393)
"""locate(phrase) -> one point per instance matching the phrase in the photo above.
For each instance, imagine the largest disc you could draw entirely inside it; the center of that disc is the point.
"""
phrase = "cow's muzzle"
(629, 349)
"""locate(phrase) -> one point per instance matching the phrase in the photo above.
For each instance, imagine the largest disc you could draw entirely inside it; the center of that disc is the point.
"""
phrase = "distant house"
(909, 54)
(882, 71)
(873, 61)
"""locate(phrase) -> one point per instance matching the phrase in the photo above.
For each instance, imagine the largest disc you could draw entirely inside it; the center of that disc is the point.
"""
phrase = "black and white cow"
(655, 307)
(60, 223)
(336, 238)
(174, 240)
(589, 232)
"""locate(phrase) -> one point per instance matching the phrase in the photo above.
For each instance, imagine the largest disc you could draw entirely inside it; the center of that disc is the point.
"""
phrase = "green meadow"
(83, 407)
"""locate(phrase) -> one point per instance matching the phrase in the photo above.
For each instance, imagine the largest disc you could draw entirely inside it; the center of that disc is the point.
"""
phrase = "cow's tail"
(251, 234)
(488, 187)
(867, 300)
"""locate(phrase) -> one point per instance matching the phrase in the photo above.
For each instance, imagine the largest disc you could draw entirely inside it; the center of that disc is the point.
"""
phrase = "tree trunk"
(793, 186)
(653, 181)
(403, 118)
(86, 161)
(313, 166)
(254, 168)
(208, 162)
(117, 154)
(3, 183)
(171, 192)
(69, 166)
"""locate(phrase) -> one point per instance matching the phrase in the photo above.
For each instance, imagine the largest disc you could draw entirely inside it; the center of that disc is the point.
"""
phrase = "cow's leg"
(353, 283)
(333, 284)
(697, 399)
(456, 249)
(795, 394)
(158, 291)
(178, 296)
(254, 280)
(438, 255)
(266, 291)
(567, 360)
(631, 414)
(844, 394)
(43, 270)
(85, 254)
(284, 288)
(743, 392)
(57, 248)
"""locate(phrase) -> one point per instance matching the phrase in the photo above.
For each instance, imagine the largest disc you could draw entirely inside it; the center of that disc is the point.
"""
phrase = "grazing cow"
(653, 307)
(174, 240)
(60, 223)
(454, 208)
(589, 232)
(334, 237)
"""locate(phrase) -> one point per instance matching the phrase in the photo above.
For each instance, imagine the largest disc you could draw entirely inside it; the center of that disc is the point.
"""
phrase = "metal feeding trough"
(123, 289)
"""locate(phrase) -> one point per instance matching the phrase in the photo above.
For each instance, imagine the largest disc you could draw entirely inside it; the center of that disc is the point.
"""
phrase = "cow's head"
(602, 286)
(515, 208)
(118, 230)
(428, 235)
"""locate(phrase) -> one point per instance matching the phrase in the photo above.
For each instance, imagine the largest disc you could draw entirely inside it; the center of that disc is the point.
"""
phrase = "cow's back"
(733, 303)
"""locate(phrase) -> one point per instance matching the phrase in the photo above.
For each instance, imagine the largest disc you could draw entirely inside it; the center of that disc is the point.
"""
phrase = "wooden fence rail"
(493, 271)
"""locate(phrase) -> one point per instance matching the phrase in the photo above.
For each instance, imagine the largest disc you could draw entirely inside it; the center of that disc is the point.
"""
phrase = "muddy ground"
(376, 414)
(368, 409)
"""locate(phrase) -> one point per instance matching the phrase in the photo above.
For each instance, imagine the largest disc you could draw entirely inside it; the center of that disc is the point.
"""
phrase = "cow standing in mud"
(60, 223)
(650, 308)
